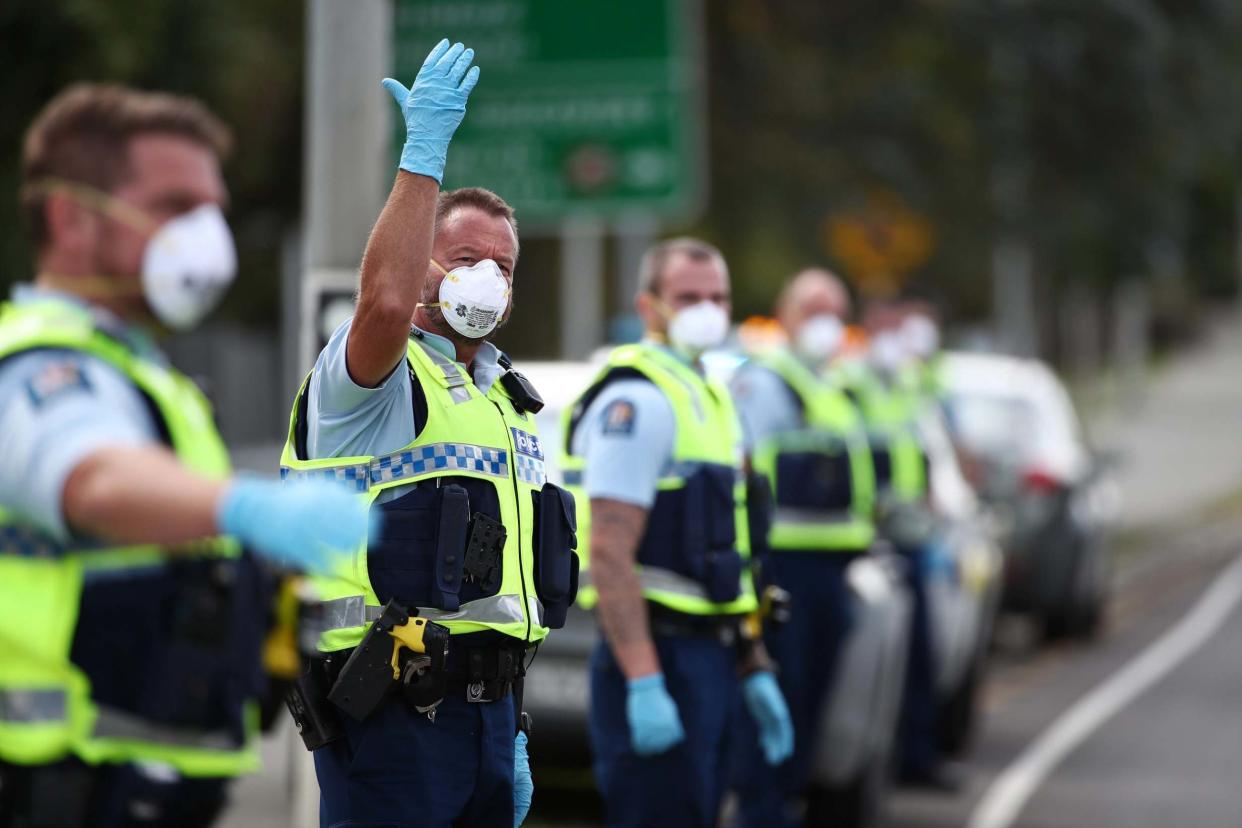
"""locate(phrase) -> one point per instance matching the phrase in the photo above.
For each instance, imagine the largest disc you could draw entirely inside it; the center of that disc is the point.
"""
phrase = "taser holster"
(382, 661)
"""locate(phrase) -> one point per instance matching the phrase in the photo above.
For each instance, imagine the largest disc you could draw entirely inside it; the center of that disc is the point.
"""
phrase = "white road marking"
(1008, 794)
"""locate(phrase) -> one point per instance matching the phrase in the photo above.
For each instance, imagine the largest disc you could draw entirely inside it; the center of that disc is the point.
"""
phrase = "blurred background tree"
(1127, 130)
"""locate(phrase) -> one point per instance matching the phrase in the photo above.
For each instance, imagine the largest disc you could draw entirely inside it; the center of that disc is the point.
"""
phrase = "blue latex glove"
(767, 707)
(434, 106)
(303, 525)
(523, 785)
(652, 714)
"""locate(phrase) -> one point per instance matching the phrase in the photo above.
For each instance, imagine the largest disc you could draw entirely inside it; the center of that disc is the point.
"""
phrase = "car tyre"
(856, 804)
(959, 712)
(1082, 615)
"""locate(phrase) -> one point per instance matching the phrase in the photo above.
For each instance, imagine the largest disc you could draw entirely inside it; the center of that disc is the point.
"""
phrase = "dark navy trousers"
(398, 769)
(683, 786)
(808, 649)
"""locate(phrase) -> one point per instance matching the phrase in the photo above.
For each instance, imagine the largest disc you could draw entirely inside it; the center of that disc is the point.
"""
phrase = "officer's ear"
(69, 223)
(648, 306)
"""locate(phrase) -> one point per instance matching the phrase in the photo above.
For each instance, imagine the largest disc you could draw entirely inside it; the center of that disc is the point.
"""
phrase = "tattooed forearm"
(616, 529)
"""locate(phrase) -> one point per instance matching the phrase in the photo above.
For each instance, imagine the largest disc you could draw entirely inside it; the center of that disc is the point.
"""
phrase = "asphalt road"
(1169, 757)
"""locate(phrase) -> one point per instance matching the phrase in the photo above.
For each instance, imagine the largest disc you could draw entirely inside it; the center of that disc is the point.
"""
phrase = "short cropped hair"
(477, 198)
(656, 259)
(83, 136)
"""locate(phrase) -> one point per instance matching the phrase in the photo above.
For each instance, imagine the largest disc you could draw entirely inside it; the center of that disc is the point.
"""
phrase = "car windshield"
(994, 426)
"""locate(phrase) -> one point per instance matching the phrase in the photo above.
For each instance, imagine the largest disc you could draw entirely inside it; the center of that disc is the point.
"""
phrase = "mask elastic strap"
(440, 268)
(98, 200)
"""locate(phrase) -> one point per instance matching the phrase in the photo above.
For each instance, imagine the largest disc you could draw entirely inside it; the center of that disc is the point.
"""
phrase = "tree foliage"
(1105, 131)
(1113, 119)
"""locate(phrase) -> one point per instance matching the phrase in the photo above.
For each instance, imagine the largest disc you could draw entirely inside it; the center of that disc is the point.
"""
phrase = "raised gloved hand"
(434, 106)
(652, 714)
(523, 785)
(302, 525)
(767, 707)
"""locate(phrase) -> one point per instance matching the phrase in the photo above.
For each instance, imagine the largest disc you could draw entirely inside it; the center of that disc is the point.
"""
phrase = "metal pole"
(348, 129)
(634, 235)
(582, 286)
(346, 179)
(1012, 256)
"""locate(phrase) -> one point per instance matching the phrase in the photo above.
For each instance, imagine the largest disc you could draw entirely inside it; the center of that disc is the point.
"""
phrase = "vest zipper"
(517, 511)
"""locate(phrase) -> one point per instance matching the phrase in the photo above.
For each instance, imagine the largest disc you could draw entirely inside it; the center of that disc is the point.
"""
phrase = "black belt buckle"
(481, 691)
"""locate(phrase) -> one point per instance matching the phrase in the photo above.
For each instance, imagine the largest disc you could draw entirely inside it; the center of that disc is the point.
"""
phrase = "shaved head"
(812, 292)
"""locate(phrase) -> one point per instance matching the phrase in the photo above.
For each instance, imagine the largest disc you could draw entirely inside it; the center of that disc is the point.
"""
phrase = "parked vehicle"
(1024, 451)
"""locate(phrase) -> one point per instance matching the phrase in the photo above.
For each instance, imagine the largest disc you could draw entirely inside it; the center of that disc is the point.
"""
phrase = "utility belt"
(741, 633)
(668, 623)
(405, 655)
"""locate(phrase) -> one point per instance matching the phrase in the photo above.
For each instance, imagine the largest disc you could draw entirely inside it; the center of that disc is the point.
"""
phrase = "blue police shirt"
(765, 403)
(625, 439)
(58, 407)
(345, 419)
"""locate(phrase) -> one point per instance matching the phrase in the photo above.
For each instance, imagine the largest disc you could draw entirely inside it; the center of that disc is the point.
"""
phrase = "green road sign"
(583, 106)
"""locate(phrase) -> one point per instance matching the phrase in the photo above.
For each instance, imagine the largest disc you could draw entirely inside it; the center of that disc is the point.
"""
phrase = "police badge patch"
(55, 379)
(619, 417)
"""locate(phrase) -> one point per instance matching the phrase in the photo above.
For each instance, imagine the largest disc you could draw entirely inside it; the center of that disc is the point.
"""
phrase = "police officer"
(412, 403)
(920, 334)
(656, 447)
(809, 440)
(129, 626)
(891, 405)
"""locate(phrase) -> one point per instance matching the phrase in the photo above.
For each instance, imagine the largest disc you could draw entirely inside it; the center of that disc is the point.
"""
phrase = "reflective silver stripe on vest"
(457, 389)
(116, 724)
(657, 579)
(413, 463)
(32, 706)
(353, 611)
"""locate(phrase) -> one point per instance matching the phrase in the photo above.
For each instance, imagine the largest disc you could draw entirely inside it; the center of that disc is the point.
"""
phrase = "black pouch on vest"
(815, 480)
(711, 533)
(175, 645)
(758, 513)
(307, 700)
(882, 461)
(556, 562)
(451, 547)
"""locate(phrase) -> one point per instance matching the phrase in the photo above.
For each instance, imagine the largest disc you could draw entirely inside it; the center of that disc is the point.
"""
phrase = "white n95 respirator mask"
(189, 263)
(922, 337)
(473, 299)
(888, 352)
(820, 337)
(699, 327)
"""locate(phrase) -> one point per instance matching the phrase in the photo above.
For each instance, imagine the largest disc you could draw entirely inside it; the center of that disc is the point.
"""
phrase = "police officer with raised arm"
(129, 622)
(656, 448)
(411, 403)
(809, 440)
